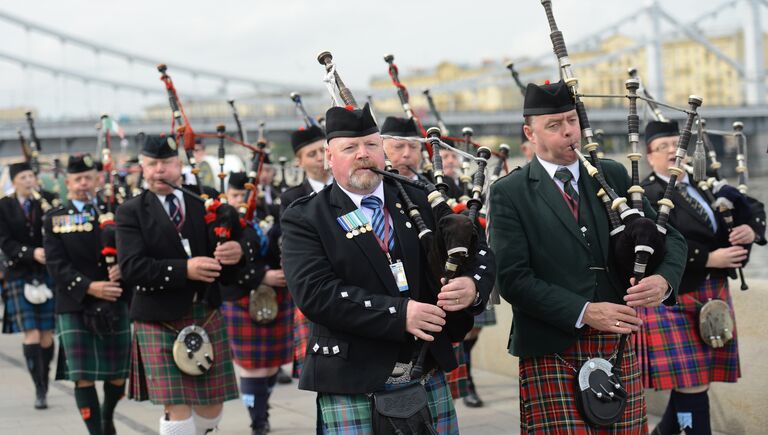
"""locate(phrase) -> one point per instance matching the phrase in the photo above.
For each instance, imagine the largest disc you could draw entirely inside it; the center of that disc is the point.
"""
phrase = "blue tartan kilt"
(20, 315)
(350, 414)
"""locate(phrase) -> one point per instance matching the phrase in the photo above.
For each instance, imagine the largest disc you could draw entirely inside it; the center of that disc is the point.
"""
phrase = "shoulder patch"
(302, 200)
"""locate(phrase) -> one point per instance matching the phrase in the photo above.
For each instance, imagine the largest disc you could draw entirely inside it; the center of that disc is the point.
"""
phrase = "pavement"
(292, 410)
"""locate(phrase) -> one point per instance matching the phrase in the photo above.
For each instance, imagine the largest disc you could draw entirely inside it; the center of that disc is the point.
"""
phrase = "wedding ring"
(617, 323)
(457, 301)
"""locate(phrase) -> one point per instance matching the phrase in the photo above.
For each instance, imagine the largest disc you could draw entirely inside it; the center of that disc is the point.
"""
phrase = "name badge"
(398, 271)
(187, 247)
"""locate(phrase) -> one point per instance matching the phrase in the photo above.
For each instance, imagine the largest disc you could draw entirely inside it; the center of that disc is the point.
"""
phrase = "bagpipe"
(637, 243)
(223, 220)
(31, 151)
(516, 77)
(730, 201)
(404, 96)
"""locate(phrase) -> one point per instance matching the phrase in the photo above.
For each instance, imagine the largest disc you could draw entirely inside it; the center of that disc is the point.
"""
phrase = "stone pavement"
(293, 411)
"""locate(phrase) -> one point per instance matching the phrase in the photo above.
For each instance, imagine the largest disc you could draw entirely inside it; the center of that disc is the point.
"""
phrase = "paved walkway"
(293, 411)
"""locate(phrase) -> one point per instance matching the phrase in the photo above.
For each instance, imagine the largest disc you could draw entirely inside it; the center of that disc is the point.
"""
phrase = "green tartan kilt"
(86, 356)
(154, 375)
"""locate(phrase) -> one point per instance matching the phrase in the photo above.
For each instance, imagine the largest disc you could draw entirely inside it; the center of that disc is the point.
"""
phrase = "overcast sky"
(278, 40)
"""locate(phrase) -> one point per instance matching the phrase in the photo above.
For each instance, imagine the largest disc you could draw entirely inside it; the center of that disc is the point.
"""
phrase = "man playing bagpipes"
(257, 309)
(550, 234)
(29, 301)
(404, 153)
(681, 349)
(91, 304)
(173, 261)
(356, 269)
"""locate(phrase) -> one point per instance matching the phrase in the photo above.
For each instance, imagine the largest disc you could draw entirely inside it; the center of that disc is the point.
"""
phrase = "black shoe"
(263, 430)
(283, 377)
(108, 427)
(472, 400)
(41, 402)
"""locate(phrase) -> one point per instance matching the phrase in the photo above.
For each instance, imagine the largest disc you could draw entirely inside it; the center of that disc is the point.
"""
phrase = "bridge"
(653, 21)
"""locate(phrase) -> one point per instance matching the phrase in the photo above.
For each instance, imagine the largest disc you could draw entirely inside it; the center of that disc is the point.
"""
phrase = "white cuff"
(579, 322)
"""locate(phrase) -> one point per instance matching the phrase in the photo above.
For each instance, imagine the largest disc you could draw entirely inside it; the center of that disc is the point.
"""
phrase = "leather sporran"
(402, 411)
(716, 323)
(193, 351)
(100, 317)
(600, 398)
(262, 305)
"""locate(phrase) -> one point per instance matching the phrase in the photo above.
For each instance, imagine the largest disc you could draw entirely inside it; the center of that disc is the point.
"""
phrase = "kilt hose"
(20, 315)
(548, 396)
(257, 346)
(671, 353)
(350, 414)
(154, 376)
(458, 378)
(86, 356)
(300, 340)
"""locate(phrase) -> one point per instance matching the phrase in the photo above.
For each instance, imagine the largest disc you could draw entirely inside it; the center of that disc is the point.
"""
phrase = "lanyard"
(384, 244)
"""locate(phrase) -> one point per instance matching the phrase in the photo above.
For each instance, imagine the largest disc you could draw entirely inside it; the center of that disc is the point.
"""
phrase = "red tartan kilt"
(458, 378)
(257, 346)
(671, 353)
(300, 340)
(547, 390)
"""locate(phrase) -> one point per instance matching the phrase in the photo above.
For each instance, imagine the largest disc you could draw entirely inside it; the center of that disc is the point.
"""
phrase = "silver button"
(477, 277)
(392, 310)
(170, 268)
(167, 279)
(336, 350)
(344, 294)
(367, 304)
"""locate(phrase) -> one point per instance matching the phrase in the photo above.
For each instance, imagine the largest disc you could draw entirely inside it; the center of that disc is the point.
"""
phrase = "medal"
(88, 227)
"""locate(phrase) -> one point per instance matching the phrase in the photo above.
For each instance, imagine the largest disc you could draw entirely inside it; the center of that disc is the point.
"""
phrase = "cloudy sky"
(278, 40)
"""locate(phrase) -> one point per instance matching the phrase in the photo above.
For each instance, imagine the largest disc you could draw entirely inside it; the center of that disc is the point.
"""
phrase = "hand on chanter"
(423, 319)
(458, 294)
(648, 293)
(610, 317)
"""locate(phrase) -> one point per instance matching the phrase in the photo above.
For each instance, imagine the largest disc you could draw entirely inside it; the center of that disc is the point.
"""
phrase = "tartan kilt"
(671, 352)
(154, 376)
(20, 315)
(260, 346)
(350, 414)
(84, 355)
(300, 340)
(486, 318)
(547, 390)
(458, 378)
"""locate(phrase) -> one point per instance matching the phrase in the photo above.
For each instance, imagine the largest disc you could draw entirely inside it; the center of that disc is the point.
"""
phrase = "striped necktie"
(174, 211)
(374, 204)
(565, 176)
(682, 188)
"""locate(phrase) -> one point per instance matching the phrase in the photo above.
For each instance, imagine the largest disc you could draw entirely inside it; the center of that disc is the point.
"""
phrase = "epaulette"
(302, 200)
(516, 168)
(648, 180)
(55, 209)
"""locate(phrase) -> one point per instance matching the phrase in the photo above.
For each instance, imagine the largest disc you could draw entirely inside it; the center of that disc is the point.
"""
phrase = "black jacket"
(294, 193)
(20, 236)
(74, 260)
(153, 261)
(250, 276)
(701, 240)
(347, 291)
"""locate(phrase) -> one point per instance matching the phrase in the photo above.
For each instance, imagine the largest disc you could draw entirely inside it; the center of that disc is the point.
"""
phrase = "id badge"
(398, 271)
(187, 247)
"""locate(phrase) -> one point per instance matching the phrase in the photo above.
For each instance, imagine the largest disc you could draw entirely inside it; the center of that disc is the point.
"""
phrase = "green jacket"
(548, 265)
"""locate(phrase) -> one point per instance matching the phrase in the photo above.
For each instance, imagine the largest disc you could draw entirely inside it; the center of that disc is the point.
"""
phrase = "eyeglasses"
(664, 146)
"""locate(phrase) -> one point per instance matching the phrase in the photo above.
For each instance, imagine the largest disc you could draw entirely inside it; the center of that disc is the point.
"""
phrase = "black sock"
(668, 424)
(88, 403)
(255, 394)
(112, 394)
(692, 412)
(32, 356)
(46, 354)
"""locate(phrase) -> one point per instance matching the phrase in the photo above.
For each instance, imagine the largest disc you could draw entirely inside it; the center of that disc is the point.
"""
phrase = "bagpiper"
(27, 293)
(180, 356)
(91, 305)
